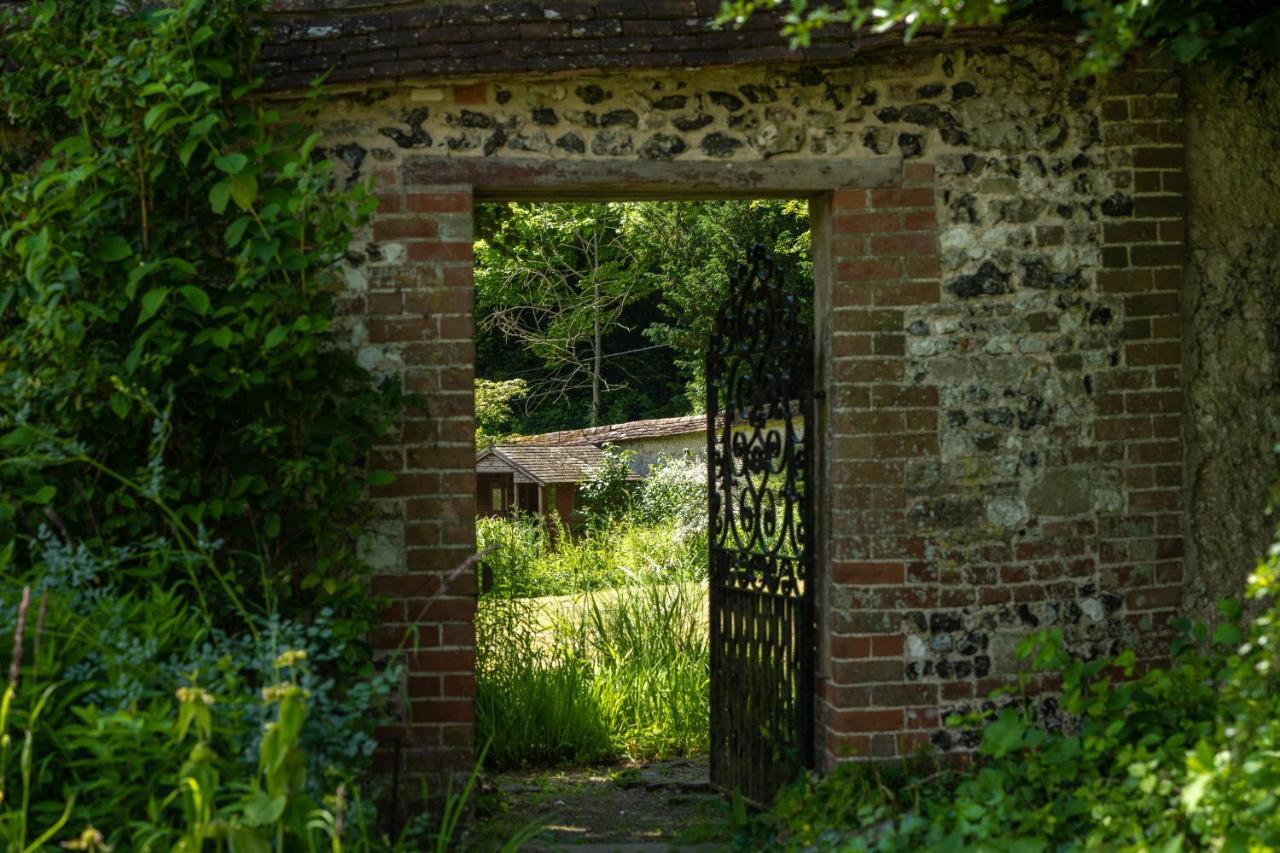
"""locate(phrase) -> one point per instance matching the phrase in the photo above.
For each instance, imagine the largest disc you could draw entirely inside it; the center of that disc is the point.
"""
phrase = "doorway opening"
(594, 322)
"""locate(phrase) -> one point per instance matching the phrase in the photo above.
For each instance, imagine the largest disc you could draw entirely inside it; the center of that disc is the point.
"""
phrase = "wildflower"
(291, 658)
(15, 666)
(90, 839)
(194, 695)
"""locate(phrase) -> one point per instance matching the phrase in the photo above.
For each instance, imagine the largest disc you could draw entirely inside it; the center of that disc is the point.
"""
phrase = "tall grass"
(652, 656)
(593, 650)
(524, 564)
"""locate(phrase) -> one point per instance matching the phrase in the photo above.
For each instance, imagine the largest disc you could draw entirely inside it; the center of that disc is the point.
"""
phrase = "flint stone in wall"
(694, 122)
(545, 116)
(612, 143)
(572, 143)
(592, 94)
(773, 139)
(989, 280)
(732, 103)
(662, 147)
(535, 141)
(1063, 492)
(720, 144)
(415, 136)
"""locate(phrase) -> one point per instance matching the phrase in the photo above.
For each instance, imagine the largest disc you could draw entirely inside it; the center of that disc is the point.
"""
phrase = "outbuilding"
(536, 479)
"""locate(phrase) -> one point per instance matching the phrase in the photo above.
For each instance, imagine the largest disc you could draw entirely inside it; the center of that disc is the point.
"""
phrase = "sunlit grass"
(608, 672)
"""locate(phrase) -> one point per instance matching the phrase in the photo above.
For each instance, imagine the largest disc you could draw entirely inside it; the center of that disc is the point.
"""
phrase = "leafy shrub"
(183, 445)
(103, 663)
(606, 497)
(495, 417)
(1185, 756)
(168, 252)
(675, 488)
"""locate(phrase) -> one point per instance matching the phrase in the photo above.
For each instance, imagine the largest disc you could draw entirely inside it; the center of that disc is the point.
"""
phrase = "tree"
(495, 418)
(694, 248)
(557, 279)
(1226, 33)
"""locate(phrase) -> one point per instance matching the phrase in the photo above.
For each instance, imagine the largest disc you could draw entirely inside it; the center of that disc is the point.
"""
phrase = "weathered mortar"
(1233, 330)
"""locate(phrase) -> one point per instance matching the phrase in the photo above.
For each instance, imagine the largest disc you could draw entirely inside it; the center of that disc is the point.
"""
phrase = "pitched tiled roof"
(549, 464)
(616, 433)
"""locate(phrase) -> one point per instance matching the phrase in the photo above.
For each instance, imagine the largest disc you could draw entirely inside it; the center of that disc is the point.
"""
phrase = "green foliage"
(102, 662)
(606, 675)
(525, 560)
(674, 489)
(558, 279)
(1226, 33)
(606, 497)
(664, 268)
(595, 648)
(183, 446)
(1181, 757)
(168, 251)
(694, 248)
(495, 417)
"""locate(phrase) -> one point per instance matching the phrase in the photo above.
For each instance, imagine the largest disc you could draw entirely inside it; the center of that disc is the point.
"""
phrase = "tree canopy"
(602, 311)
(1226, 33)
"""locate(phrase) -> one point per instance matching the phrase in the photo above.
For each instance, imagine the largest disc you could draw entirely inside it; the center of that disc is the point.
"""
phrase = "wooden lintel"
(637, 180)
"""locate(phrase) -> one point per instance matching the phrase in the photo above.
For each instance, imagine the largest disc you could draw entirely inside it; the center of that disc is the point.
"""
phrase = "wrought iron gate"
(760, 482)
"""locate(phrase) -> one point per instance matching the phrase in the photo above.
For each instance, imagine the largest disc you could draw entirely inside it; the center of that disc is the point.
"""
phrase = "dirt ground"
(659, 806)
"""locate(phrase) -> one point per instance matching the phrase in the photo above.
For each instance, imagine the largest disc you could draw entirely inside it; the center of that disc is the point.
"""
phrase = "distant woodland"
(600, 313)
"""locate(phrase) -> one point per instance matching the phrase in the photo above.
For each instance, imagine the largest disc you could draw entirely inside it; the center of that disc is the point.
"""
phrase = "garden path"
(657, 806)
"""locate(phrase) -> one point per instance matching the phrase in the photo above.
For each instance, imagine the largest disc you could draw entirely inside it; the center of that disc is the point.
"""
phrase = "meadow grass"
(593, 650)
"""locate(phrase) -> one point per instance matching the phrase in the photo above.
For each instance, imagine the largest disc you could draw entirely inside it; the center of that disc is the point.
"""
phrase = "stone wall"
(999, 318)
(1233, 330)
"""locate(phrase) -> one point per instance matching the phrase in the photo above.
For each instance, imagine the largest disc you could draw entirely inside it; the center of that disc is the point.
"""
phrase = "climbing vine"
(168, 283)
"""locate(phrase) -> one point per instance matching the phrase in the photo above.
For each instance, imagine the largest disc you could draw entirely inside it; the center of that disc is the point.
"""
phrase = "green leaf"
(235, 231)
(154, 115)
(219, 195)
(274, 337)
(114, 248)
(221, 337)
(188, 148)
(151, 302)
(44, 495)
(119, 404)
(232, 164)
(182, 266)
(262, 809)
(244, 190)
(381, 478)
(1226, 635)
(244, 839)
(196, 298)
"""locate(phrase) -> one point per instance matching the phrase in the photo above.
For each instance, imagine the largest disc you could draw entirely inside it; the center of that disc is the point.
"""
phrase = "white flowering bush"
(675, 489)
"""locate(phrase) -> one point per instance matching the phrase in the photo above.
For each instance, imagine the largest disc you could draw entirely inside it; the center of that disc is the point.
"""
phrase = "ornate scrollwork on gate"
(759, 397)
